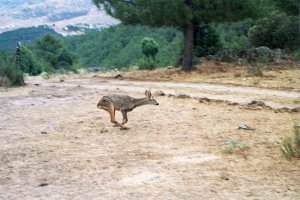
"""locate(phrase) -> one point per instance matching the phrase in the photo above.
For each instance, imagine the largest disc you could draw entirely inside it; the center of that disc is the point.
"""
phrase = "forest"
(120, 46)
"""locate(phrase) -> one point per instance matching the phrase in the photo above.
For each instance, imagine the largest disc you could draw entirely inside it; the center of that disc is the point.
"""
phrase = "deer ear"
(148, 94)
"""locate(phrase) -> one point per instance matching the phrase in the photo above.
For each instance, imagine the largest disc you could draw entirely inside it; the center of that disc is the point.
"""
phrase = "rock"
(241, 57)
(280, 54)
(48, 129)
(204, 99)
(103, 130)
(159, 93)
(43, 184)
(241, 61)
(257, 103)
(281, 110)
(183, 96)
(119, 76)
(297, 109)
(245, 127)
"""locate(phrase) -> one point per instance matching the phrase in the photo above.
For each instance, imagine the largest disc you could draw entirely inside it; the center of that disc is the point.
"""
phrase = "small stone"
(103, 130)
(43, 184)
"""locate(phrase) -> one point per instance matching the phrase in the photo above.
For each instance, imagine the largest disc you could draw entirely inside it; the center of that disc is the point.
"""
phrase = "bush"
(29, 63)
(278, 30)
(297, 55)
(207, 41)
(234, 35)
(9, 74)
(54, 54)
(149, 49)
(234, 146)
(291, 146)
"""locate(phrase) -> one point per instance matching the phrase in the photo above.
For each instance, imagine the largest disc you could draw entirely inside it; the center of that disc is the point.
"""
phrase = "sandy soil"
(55, 144)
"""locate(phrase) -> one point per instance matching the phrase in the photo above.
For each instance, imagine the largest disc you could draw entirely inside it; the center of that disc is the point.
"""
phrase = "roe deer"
(125, 104)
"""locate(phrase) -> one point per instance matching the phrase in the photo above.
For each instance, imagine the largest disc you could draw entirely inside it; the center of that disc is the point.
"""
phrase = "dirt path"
(236, 94)
(55, 144)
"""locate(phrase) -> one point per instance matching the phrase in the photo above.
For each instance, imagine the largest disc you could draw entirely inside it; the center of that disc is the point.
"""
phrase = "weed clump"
(291, 146)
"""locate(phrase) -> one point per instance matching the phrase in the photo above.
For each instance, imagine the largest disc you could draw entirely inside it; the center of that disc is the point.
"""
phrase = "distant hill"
(8, 40)
(55, 13)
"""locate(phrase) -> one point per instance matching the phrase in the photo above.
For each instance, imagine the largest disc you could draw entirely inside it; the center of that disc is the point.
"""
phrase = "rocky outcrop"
(262, 54)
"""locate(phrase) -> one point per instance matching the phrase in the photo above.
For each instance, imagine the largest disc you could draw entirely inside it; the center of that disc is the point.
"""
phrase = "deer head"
(150, 98)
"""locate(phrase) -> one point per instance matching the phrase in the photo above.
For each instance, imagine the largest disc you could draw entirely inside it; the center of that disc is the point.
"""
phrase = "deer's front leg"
(125, 119)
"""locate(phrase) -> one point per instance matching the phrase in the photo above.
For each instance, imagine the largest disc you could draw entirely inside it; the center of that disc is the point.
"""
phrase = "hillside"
(55, 13)
(9, 39)
(120, 46)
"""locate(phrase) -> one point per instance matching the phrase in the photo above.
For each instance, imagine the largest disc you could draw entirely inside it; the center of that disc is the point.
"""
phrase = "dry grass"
(277, 75)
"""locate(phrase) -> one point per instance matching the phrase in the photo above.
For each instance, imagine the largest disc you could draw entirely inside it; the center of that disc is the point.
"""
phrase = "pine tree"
(185, 15)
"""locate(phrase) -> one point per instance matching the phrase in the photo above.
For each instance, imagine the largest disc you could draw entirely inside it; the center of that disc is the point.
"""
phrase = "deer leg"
(124, 113)
(125, 119)
(114, 114)
(113, 118)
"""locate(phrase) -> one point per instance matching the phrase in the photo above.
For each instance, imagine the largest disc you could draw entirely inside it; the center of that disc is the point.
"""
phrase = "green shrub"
(29, 63)
(149, 49)
(234, 35)
(278, 30)
(207, 41)
(54, 54)
(297, 55)
(237, 74)
(45, 75)
(234, 145)
(9, 74)
(291, 146)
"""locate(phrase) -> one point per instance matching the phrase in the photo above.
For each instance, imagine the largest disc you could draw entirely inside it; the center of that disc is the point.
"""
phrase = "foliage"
(45, 75)
(149, 49)
(29, 63)
(182, 14)
(278, 30)
(234, 35)
(9, 39)
(291, 146)
(54, 54)
(235, 145)
(291, 7)
(207, 41)
(297, 55)
(117, 46)
(9, 74)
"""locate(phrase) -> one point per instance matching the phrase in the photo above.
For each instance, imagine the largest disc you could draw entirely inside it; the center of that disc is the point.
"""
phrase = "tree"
(10, 75)
(182, 14)
(150, 49)
(54, 53)
(206, 41)
(29, 63)
(278, 30)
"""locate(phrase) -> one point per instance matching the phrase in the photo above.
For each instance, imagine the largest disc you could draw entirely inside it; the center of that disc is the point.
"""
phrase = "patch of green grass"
(291, 146)
(45, 75)
(232, 146)
(237, 74)
(256, 81)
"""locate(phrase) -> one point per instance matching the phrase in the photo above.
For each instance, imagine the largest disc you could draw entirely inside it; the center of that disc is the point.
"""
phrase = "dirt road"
(55, 143)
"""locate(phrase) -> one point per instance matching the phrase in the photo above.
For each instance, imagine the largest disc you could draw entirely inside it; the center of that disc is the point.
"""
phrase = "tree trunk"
(188, 48)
